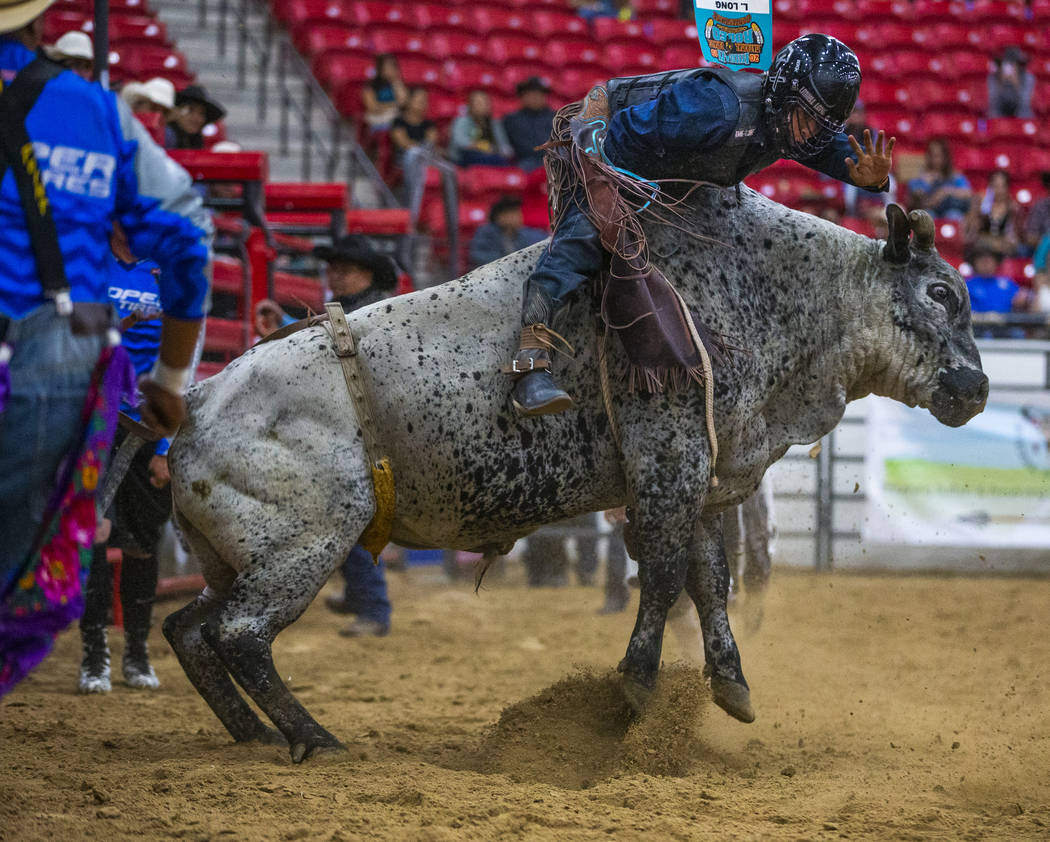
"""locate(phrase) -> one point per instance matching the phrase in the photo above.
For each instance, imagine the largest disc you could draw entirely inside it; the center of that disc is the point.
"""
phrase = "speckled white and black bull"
(272, 486)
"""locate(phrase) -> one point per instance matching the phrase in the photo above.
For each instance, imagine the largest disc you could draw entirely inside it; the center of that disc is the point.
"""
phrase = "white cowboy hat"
(159, 91)
(131, 92)
(74, 44)
(14, 14)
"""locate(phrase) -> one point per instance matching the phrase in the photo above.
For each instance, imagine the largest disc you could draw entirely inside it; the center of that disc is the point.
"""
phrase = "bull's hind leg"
(707, 583)
(200, 663)
(264, 600)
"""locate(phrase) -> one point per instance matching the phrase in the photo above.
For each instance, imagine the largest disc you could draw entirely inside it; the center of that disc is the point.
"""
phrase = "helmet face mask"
(810, 91)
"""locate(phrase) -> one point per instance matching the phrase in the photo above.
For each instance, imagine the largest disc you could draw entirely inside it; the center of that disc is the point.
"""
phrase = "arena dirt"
(888, 708)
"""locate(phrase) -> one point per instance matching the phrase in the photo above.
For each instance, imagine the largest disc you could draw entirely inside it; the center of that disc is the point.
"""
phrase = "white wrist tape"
(173, 379)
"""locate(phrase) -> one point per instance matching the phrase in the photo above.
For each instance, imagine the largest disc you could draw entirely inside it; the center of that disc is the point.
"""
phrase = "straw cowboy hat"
(14, 14)
(74, 44)
(159, 91)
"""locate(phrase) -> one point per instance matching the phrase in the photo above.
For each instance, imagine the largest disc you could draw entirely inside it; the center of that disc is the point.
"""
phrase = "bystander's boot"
(535, 392)
(138, 586)
(98, 598)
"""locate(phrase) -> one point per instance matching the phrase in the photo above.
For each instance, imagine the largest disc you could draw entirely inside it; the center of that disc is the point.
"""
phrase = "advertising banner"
(986, 484)
(737, 34)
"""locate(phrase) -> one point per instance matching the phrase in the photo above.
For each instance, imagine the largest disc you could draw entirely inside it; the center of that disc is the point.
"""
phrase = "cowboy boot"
(138, 586)
(98, 598)
(535, 392)
(94, 667)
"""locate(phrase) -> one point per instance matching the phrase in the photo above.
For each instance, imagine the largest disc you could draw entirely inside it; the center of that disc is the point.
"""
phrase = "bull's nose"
(966, 383)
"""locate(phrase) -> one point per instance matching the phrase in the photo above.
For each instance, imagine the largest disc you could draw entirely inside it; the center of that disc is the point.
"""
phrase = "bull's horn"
(924, 229)
(896, 249)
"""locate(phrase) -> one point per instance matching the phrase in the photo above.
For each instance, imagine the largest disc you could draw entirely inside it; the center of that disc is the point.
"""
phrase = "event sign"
(737, 34)
(984, 484)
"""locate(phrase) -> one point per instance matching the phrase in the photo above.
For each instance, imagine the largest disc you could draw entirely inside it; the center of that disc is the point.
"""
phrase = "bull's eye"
(943, 295)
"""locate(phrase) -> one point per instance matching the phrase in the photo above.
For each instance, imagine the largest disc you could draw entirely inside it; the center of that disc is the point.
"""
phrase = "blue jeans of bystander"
(365, 593)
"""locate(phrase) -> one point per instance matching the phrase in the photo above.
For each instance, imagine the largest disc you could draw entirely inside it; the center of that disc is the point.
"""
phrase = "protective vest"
(727, 165)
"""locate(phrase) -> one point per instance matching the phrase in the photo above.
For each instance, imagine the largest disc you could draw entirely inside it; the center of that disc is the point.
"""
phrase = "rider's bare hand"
(874, 160)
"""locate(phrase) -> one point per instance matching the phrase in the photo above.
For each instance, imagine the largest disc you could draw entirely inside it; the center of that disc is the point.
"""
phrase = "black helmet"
(820, 75)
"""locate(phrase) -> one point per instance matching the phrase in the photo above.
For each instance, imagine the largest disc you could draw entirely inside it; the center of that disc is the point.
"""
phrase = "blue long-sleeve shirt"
(98, 164)
(697, 115)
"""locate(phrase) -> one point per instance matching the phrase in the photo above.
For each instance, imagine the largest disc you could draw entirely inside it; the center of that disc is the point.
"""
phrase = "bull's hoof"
(636, 693)
(317, 747)
(734, 698)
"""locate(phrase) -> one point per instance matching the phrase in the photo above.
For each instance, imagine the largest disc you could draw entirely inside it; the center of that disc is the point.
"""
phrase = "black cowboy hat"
(356, 250)
(213, 112)
(533, 83)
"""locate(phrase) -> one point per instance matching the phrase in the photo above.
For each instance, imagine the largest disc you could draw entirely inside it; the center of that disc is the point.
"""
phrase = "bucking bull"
(272, 486)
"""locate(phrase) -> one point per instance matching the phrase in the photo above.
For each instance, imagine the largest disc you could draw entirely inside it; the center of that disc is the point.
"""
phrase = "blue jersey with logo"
(133, 289)
(991, 293)
(99, 164)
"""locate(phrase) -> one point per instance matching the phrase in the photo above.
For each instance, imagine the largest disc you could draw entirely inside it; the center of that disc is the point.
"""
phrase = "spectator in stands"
(992, 223)
(1037, 223)
(478, 136)
(75, 51)
(155, 96)
(1010, 85)
(194, 109)
(530, 126)
(385, 94)
(940, 188)
(504, 233)
(991, 292)
(411, 127)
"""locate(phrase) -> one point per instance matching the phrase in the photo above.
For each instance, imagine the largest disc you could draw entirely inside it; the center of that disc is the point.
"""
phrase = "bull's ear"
(924, 229)
(896, 249)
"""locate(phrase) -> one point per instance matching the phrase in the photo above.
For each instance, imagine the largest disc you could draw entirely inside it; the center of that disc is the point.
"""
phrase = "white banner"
(984, 484)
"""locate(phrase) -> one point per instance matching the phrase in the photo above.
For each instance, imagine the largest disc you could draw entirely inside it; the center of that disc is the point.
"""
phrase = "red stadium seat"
(367, 13)
(453, 43)
(874, 11)
(472, 215)
(388, 39)
(379, 221)
(297, 291)
(955, 125)
(1012, 130)
(845, 31)
(315, 39)
(488, 19)
(675, 57)
(973, 95)
(132, 30)
(878, 92)
(292, 12)
(429, 15)
(797, 9)
(142, 61)
(1041, 98)
(573, 82)
(58, 21)
(938, 37)
(336, 69)
(985, 11)
(649, 9)
(886, 35)
(223, 166)
(572, 50)
(549, 22)
(444, 106)
(486, 184)
(858, 225)
(901, 64)
(518, 71)
(671, 33)
(960, 65)
(611, 29)
(505, 48)
(1040, 12)
(470, 73)
(992, 38)
(922, 11)
(622, 60)
(420, 70)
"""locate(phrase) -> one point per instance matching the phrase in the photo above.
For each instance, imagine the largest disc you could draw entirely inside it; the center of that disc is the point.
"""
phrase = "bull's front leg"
(707, 582)
(669, 487)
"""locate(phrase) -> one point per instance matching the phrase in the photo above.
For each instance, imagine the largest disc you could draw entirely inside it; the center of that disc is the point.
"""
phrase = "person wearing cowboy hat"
(1010, 85)
(194, 109)
(57, 341)
(75, 51)
(530, 126)
(356, 276)
(154, 96)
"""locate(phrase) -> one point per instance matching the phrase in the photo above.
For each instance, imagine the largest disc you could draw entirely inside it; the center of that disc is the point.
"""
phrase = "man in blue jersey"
(142, 504)
(706, 125)
(73, 161)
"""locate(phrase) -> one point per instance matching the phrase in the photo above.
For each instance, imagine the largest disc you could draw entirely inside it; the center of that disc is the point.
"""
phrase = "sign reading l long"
(737, 34)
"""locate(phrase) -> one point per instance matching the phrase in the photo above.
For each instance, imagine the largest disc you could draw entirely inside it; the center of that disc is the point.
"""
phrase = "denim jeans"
(50, 374)
(575, 254)
(365, 593)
